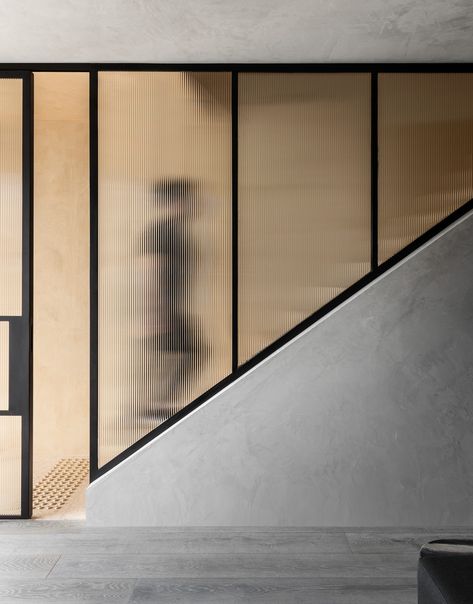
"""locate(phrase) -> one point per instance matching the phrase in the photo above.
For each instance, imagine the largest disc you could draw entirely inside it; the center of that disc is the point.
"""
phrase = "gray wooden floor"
(56, 561)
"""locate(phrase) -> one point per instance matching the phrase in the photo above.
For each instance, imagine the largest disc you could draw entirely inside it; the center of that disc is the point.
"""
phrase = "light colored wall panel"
(365, 419)
(4, 365)
(61, 267)
(10, 465)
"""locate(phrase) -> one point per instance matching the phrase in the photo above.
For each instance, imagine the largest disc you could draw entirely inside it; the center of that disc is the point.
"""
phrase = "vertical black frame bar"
(21, 327)
(374, 171)
(28, 230)
(234, 221)
(93, 175)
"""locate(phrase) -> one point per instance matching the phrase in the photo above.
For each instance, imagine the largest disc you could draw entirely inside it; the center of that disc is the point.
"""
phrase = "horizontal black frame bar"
(459, 67)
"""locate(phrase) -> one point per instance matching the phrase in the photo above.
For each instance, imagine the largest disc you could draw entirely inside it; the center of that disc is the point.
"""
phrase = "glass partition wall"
(304, 197)
(233, 206)
(230, 208)
(425, 153)
(164, 225)
(165, 229)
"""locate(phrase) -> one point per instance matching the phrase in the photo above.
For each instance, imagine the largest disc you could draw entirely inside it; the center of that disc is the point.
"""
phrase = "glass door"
(15, 293)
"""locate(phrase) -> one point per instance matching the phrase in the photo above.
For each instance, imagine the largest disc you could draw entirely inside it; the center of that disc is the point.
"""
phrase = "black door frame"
(21, 327)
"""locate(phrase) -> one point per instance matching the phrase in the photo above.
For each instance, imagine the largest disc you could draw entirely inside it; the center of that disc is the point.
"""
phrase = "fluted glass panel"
(164, 247)
(4, 365)
(425, 153)
(10, 196)
(10, 465)
(304, 197)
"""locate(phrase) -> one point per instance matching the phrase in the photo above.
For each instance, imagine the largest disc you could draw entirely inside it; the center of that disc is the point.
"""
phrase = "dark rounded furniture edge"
(445, 572)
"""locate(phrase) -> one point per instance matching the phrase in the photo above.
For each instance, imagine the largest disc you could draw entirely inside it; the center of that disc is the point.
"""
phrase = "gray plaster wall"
(365, 419)
(235, 30)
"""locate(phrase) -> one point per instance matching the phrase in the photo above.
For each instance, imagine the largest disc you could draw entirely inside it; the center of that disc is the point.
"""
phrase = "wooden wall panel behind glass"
(425, 153)
(11, 191)
(4, 365)
(10, 465)
(164, 247)
(61, 269)
(304, 197)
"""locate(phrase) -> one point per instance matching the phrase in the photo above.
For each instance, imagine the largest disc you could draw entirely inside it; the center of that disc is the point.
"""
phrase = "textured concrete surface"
(249, 30)
(365, 419)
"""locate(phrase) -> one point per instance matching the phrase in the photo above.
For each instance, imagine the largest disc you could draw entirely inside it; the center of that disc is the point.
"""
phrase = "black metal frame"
(94, 271)
(20, 327)
(369, 67)
(234, 221)
(374, 171)
(235, 68)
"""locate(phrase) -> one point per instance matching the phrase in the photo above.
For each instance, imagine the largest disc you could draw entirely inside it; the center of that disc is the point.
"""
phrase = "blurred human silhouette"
(173, 332)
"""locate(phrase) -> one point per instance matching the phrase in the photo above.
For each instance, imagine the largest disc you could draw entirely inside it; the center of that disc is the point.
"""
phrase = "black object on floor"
(445, 572)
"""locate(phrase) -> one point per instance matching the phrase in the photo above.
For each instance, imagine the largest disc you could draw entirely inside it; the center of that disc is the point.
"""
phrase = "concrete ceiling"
(236, 30)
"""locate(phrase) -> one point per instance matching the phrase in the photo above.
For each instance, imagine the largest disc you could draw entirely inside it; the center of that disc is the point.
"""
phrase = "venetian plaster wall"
(248, 30)
(363, 420)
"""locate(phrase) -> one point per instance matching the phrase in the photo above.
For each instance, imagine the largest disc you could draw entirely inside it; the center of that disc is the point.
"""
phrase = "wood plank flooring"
(66, 561)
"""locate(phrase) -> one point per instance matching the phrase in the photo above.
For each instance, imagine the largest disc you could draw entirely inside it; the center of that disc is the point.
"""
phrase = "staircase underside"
(347, 425)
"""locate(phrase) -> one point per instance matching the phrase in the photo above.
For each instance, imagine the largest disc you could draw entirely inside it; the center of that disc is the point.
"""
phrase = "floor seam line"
(53, 566)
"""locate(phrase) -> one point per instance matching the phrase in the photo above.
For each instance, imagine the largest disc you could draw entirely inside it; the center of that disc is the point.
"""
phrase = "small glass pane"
(425, 153)
(10, 465)
(164, 247)
(4, 365)
(11, 176)
(304, 197)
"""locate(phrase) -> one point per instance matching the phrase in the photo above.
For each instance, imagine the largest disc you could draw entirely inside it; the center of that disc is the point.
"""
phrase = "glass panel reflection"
(4, 365)
(304, 197)
(164, 247)
(10, 465)
(10, 196)
(425, 153)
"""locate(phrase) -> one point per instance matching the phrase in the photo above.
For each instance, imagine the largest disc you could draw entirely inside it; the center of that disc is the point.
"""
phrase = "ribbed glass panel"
(10, 196)
(304, 197)
(164, 247)
(10, 465)
(4, 365)
(425, 153)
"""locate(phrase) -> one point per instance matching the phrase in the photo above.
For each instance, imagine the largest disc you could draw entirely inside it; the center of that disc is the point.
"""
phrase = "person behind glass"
(175, 258)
